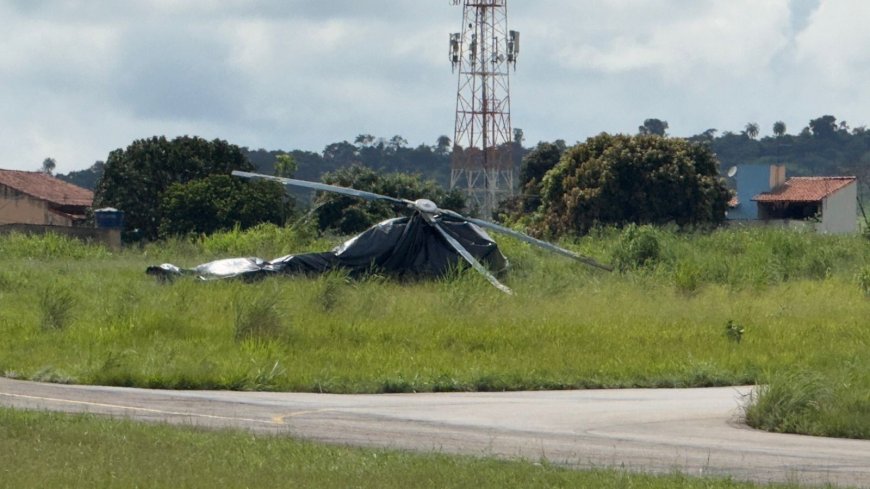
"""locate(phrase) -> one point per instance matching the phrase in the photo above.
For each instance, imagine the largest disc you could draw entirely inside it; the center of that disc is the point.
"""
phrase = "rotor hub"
(425, 205)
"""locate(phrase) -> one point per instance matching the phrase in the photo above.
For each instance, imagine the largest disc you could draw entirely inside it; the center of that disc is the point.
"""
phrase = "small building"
(40, 199)
(749, 181)
(830, 201)
(764, 196)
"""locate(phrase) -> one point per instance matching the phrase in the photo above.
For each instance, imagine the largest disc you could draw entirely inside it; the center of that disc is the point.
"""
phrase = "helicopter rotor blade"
(534, 241)
(324, 187)
(464, 253)
(428, 212)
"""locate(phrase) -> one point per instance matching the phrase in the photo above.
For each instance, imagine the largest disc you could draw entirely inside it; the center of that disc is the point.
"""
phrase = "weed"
(789, 402)
(734, 332)
(52, 375)
(331, 286)
(460, 286)
(863, 279)
(48, 246)
(266, 378)
(6, 281)
(257, 316)
(638, 247)
(687, 277)
(56, 304)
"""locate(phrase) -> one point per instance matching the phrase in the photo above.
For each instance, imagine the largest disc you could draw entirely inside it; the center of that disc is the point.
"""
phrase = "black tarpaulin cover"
(402, 247)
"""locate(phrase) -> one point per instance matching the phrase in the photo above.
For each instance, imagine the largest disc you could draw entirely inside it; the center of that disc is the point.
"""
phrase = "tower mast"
(482, 163)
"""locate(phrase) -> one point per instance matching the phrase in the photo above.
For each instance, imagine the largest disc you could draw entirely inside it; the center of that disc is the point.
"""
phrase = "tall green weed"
(48, 246)
(638, 247)
(802, 401)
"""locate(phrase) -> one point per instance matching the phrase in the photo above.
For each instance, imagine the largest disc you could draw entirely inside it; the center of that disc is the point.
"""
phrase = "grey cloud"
(801, 11)
(174, 74)
(256, 73)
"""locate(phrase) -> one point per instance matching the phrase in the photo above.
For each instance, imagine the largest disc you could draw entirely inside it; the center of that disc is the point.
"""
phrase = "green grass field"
(782, 308)
(39, 450)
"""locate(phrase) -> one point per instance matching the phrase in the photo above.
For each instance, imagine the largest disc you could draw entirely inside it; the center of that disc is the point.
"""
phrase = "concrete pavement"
(696, 431)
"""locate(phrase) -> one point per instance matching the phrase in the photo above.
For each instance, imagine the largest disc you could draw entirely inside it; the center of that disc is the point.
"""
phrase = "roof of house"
(46, 187)
(805, 189)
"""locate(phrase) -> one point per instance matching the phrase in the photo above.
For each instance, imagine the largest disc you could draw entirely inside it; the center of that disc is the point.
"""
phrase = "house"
(749, 181)
(833, 201)
(40, 199)
(765, 196)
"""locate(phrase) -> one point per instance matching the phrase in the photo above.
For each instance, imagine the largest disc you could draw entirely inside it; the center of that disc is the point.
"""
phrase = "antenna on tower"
(482, 161)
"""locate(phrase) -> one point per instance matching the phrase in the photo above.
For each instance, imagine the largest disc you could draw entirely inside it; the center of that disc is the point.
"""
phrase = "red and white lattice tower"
(482, 54)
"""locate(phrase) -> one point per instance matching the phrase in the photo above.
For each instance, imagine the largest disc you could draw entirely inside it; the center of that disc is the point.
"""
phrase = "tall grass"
(658, 323)
(815, 403)
(55, 304)
(48, 246)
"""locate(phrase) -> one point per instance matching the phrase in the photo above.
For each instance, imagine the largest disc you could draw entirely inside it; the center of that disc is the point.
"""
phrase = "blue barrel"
(109, 218)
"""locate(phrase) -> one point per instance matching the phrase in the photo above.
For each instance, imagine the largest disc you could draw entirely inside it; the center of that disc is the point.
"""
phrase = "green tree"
(654, 127)
(751, 130)
(519, 136)
(341, 154)
(535, 165)
(396, 143)
(221, 202)
(824, 127)
(632, 179)
(86, 178)
(48, 166)
(364, 140)
(351, 215)
(443, 145)
(779, 129)
(135, 179)
(285, 165)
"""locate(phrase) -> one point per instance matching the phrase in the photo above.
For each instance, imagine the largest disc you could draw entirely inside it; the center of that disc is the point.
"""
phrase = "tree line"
(169, 187)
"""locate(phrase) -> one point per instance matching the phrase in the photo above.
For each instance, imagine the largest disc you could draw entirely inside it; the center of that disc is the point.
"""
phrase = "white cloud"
(79, 78)
(833, 47)
(732, 39)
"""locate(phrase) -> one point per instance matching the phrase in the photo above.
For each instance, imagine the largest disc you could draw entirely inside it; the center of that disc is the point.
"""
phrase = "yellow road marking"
(283, 418)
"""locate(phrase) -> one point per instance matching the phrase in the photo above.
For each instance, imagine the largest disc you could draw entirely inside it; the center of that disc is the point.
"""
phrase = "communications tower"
(482, 53)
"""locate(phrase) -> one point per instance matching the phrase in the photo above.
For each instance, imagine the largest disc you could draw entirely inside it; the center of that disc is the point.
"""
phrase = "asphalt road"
(696, 431)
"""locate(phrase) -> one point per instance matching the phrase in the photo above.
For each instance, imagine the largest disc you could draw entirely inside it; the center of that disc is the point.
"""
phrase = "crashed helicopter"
(427, 244)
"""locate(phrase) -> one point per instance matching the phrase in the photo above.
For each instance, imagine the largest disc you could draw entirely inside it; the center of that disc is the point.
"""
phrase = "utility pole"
(482, 163)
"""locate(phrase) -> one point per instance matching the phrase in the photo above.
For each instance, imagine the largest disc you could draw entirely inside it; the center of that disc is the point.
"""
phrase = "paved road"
(696, 431)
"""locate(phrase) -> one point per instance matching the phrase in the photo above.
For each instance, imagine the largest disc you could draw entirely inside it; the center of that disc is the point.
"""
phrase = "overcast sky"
(80, 78)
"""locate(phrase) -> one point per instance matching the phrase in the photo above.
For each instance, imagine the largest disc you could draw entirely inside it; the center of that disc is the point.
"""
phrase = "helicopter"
(428, 243)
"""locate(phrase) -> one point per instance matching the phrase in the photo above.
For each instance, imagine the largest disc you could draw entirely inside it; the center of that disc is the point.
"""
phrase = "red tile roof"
(46, 187)
(805, 189)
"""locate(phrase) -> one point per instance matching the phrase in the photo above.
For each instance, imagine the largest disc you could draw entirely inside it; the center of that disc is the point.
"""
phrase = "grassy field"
(729, 307)
(39, 450)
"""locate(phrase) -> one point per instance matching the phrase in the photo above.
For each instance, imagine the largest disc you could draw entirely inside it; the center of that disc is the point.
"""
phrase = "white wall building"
(830, 202)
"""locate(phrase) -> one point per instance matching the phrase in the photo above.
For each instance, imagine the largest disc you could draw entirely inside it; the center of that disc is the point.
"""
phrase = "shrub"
(220, 202)
(638, 247)
(617, 180)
